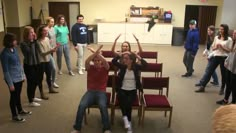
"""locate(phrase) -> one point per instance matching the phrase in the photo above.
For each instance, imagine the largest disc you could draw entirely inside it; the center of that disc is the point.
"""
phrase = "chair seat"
(156, 101)
(135, 103)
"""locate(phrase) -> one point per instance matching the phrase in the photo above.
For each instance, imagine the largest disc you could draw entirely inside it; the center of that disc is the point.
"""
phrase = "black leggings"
(15, 100)
(45, 67)
(230, 86)
(126, 99)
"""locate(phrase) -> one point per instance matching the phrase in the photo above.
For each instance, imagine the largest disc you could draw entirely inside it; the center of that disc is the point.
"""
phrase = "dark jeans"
(32, 76)
(188, 61)
(90, 98)
(230, 86)
(45, 67)
(15, 100)
(214, 75)
(126, 99)
(213, 64)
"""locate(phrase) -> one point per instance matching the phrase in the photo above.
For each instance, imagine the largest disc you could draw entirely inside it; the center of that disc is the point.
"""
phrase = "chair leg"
(112, 115)
(170, 117)
(165, 113)
(142, 117)
(140, 111)
(85, 119)
(88, 111)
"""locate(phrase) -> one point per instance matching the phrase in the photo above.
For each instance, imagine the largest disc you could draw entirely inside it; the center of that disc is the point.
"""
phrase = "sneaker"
(214, 83)
(75, 131)
(222, 102)
(83, 68)
(71, 73)
(126, 122)
(107, 131)
(18, 119)
(200, 90)
(34, 104)
(55, 85)
(81, 72)
(198, 84)
(186, 75)
(37, 99)
(130, 128)
(23, 112)
(60, 73)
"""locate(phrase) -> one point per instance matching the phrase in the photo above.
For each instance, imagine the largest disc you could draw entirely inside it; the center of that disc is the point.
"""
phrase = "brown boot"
(42, 94)
(52, 90)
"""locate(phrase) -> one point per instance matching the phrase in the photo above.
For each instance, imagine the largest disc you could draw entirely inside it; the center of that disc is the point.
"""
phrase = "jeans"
(53, 68)
(90, 98)
(15, 100)
(214, 75)
(230, 86)
(66, 50)
(188, 60)
(126, 99)
(45, 67)
(80, 55)
(213, 64)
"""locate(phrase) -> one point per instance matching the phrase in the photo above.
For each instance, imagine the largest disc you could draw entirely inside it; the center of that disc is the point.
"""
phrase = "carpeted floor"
(192, 112)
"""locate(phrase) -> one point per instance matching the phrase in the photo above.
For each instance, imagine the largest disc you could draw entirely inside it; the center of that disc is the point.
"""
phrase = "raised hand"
(117, 37)
(135, 37)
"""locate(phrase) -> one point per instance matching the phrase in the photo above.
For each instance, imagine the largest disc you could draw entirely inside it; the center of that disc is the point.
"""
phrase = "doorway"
(204, 15)
(69, 9)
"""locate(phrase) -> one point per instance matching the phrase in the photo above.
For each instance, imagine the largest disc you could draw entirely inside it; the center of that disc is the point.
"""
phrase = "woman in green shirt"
(62, 39)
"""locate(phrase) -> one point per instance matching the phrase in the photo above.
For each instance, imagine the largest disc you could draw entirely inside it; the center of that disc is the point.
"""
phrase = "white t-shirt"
(129, 81)
(227, 44)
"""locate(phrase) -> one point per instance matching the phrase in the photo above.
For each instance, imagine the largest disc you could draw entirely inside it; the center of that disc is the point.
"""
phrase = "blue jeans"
(214, 75)
(53, 68)
(66, 50)
(90, 98)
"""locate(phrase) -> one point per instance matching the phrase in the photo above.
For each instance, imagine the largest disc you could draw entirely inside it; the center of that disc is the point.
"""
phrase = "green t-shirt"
(61, 34)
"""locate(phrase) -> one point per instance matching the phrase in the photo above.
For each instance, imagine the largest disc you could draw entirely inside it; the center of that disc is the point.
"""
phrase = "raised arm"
(142, 63)
(114, 45)
(90, 58)
(140, 50)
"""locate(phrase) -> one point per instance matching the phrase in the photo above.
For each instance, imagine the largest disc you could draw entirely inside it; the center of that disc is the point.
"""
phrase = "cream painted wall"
(228, 16)
(24, 12)
(11, 13)
(1, 18)
(115, 10)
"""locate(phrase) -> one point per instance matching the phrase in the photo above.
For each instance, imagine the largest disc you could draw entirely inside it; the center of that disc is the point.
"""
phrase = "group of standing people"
(220, 51)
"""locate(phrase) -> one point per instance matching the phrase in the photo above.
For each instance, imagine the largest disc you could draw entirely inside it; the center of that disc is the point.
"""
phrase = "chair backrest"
(108, 54)
(149, 55)
(156, 83)
(157, 68)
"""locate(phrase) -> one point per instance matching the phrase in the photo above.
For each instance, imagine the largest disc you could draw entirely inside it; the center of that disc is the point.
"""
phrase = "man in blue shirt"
(191, 48)
(80, 40)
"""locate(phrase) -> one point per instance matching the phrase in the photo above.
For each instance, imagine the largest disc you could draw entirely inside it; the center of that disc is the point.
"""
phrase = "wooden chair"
(156, 102)
(108, 54)
(110, 96)
(149, 55)
(157, 68)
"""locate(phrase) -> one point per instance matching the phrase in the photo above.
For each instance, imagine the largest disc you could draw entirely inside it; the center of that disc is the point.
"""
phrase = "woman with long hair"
(52, 38)
(45, 51)
(128, 83)
(62, 39)
(221, 47)
(13, 75)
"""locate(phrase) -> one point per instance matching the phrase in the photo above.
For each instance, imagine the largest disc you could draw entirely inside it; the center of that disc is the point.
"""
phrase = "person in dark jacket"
(80, 40)
(13, 75)
(191, 48)
(128, 83)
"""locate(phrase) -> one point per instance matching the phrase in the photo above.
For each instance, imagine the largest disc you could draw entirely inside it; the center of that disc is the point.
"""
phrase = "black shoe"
(18, 119)
(198, 84)
(200, 90)
(221, 92)
(222, 102)
(23, 112)
(186, 75)
(214, 83)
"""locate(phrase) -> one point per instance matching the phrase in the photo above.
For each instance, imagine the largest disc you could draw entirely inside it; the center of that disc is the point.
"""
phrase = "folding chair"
(156, 102)
(108, 54)
(149, 55)
(157, 68)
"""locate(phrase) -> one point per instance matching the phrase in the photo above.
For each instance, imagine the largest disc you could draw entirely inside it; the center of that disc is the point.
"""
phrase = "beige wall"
(24, 12)
(11, 13)
(228, 16)
(115, 10)
(1, 18)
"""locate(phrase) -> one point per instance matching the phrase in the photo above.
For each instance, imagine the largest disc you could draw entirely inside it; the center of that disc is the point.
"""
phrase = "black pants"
(15, 100)
(230, 86)
(32, 76)
(45, 67)
(217, 60)
(188, 60)
(126, 99)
